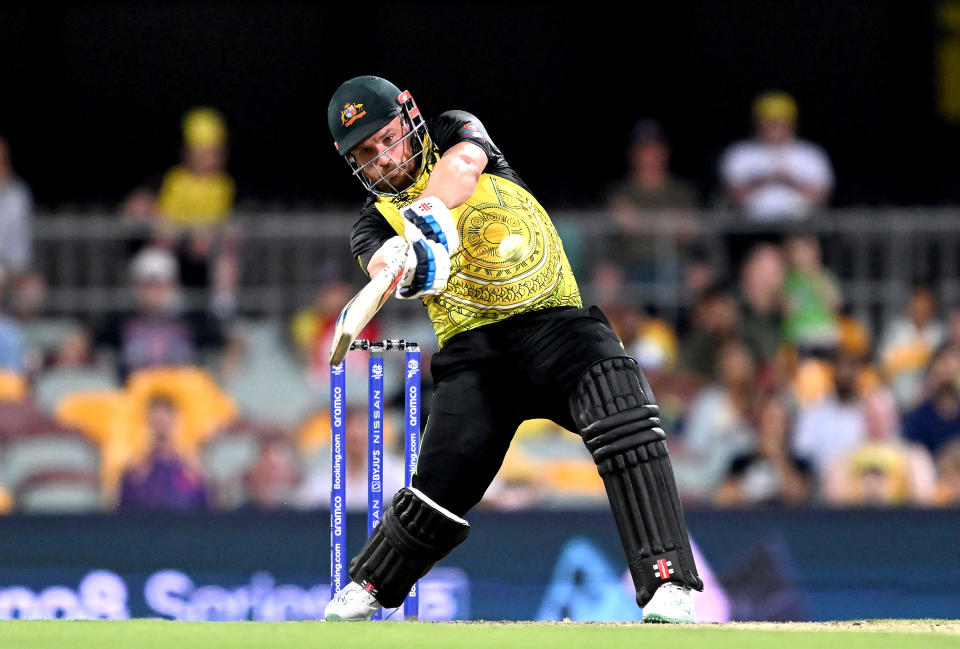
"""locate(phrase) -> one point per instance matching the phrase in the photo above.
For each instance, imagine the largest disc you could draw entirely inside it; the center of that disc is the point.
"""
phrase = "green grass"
(154, 634)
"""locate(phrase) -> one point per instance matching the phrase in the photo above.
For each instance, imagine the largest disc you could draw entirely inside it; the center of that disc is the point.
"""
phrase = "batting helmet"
(361, 107)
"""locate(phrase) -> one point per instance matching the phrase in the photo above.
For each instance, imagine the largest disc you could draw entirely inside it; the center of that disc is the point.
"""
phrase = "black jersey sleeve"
(369, 233)
(455, 126)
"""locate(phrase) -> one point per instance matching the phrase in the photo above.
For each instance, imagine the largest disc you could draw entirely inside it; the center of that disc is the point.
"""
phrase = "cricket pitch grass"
(157, 634)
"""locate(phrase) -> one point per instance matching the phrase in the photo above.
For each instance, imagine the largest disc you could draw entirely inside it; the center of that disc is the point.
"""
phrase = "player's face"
(205, 160)
(775, 131)
(386, 158)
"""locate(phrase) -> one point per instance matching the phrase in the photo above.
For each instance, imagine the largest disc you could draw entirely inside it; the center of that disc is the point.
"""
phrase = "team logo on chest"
(351, 113)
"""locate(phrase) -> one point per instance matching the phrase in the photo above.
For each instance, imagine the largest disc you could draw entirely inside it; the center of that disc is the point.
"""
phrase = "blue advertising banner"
(762, 565)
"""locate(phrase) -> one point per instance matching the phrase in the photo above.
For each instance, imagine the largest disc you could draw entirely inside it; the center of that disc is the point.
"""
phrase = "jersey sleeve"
(456, 126)
(368, 234)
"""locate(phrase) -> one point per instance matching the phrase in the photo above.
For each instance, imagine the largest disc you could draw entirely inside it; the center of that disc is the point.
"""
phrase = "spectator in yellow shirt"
(189, 209)
(199, 192)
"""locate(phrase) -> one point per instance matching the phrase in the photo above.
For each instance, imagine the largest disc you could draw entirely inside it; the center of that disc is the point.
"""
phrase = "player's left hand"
(433, 220)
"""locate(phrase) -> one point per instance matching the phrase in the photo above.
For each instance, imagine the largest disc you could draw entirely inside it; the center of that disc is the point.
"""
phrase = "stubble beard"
(397, 180)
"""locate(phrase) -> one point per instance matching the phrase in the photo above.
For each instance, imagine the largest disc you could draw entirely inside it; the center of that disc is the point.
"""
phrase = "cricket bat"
(361, 309)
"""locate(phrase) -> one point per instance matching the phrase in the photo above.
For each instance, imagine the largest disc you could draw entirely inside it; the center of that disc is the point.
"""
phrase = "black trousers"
(490, 379)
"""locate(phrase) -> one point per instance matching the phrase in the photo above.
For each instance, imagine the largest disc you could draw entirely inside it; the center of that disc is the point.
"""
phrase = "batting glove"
(394, 253)
(427, 270)
(433, 220)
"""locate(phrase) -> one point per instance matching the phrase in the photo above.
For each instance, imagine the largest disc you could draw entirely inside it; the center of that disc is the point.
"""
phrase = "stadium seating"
(13, 386)
(228, 456)
(59, 493)
(100, 415)
(19, 416)
(53, 386)
(270, 386)
(6, 501)
(90, 411)
(116, 420)
(48, 468)
(202, 406)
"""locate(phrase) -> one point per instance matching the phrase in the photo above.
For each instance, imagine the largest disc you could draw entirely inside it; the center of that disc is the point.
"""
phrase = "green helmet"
(361, 107)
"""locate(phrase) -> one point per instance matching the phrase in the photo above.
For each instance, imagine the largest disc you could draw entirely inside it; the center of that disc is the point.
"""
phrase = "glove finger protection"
(431, 219)
(428, 269)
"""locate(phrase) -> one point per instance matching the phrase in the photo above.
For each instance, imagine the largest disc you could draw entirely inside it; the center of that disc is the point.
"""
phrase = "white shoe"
(671, 603)
(351, 603)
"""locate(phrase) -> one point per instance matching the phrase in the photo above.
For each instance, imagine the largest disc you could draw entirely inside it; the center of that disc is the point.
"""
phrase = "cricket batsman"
(516, 343)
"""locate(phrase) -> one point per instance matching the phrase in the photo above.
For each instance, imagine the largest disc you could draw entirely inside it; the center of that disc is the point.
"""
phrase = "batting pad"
(415, 533)
(620, 425)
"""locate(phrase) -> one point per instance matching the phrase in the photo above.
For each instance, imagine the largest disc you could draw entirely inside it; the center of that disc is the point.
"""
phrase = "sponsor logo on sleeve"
(470, 130)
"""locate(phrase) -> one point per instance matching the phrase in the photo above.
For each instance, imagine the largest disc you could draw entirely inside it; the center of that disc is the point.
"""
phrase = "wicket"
(338, 490)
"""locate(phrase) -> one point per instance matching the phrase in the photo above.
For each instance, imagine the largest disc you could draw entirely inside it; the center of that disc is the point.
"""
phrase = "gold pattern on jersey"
(483, 287)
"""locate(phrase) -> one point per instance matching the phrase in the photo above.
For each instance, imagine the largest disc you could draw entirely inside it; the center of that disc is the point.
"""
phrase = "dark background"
(91, 93)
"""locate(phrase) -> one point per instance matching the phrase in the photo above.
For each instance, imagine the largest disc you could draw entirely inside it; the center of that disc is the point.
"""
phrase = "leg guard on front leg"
(414, 534)
(619, 422)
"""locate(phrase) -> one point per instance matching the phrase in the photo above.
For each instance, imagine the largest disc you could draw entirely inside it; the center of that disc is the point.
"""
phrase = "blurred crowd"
(772, 393)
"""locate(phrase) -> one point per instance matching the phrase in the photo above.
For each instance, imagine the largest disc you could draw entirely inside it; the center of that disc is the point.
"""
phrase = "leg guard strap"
(623, 431)
(414, 534)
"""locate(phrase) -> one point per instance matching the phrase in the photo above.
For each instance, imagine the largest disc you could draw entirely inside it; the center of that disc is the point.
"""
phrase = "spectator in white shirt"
(16, 207)
(719, 426)
(776, 176)
(836, 425)
(908, 345)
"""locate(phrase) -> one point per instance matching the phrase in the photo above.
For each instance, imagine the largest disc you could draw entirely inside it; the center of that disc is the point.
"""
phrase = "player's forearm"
(456, 175)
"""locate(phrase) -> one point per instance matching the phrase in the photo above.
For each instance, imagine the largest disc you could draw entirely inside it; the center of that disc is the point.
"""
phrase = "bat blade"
(360, 310)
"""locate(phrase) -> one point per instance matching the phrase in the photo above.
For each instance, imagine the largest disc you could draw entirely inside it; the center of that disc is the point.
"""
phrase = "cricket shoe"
(351, 603)
(672, 603)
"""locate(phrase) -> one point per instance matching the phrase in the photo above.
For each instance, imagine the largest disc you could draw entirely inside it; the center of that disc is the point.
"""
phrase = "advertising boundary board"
(767, 564)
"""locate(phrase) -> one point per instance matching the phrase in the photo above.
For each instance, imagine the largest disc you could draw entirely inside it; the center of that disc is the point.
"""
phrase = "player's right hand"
(393, 253)
(425, 265)
(433, 220)
(428, 269)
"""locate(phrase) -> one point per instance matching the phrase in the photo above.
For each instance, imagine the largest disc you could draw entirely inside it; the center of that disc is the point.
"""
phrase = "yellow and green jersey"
(483, 287)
